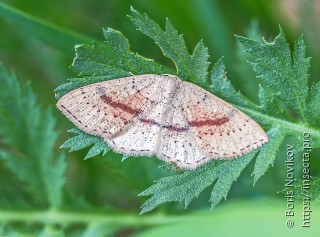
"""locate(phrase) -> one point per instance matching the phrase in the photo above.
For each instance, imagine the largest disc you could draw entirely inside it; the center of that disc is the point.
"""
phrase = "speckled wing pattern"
(160, 115)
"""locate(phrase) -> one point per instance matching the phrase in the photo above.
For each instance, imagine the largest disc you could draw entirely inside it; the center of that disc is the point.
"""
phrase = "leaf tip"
(280, 29)
(124, 157)
(133, 10)
(77, 46)
(142, 211)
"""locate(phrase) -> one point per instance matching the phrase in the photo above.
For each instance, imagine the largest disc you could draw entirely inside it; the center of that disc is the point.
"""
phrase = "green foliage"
(313, 108)
(285, 74)
(100, 62)
(28, 138)
(185, 187)
(82, 140)
(192, 67)
(32, 202)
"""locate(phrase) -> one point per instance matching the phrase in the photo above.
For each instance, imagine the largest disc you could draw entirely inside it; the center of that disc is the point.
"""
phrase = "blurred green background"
(39, 47)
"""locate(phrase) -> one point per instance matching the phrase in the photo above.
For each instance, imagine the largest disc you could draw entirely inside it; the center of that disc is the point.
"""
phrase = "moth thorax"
(169, 90)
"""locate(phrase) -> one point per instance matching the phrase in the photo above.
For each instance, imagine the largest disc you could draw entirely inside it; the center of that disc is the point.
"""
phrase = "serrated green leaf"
(83, 140)
(189, 67)
(221, 87)
(200, 58)
(28, 133)
(133, 63)
(78, 142)
(233, 168)
(182, 187)
(99, 147)
(268, 153)
(269, 104)
(285, 73)
(274, 65)
(185, 187)
(100, 62)
(300, 69)
(218, 72)
(314, 104)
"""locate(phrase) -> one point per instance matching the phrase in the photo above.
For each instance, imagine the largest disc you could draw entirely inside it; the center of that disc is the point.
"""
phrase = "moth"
(162, 116)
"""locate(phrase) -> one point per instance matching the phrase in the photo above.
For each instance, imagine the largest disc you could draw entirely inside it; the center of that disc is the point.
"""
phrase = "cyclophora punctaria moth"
(161, 115)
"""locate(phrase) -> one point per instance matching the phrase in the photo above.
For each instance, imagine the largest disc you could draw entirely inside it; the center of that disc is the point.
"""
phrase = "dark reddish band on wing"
(176, 128)
(209, 122)
(115, 104)
(149, 121)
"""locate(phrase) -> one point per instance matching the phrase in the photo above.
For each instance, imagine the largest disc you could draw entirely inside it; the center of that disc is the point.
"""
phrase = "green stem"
(63, 218)
(289, 126)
